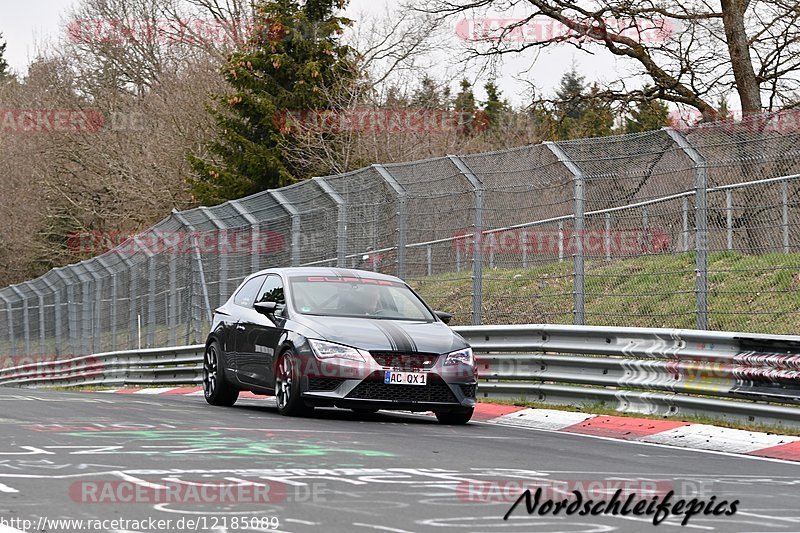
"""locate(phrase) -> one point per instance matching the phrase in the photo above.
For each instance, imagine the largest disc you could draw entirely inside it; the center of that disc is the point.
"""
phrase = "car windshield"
(356, 297)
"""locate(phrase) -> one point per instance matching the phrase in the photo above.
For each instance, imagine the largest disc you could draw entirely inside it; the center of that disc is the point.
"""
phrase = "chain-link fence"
(659, 229)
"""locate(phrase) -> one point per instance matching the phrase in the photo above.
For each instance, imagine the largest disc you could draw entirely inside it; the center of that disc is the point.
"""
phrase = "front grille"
(373, 388)
(468, 390)
(405, 361)
(323, 384)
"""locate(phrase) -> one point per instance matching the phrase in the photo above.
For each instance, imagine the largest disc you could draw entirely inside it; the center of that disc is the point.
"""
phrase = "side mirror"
(265, 308)
(443, 316)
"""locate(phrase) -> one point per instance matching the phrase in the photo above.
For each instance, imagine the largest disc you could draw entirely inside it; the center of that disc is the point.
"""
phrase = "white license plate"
(405, 378)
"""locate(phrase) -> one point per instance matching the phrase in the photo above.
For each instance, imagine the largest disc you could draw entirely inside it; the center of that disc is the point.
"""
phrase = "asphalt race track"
(95, 456)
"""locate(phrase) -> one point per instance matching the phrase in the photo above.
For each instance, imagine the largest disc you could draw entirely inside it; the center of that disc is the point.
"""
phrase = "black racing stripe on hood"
(400, 340)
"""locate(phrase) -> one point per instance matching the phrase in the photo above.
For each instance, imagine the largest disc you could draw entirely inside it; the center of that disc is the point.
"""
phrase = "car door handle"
(240, 327)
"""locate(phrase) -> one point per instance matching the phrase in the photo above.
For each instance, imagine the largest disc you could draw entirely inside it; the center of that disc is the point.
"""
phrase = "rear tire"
(216, 389)
(287, 386)
(455, 418)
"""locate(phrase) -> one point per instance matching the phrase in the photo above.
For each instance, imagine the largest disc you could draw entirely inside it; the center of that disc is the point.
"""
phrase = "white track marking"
(542, 418)
(718, 438)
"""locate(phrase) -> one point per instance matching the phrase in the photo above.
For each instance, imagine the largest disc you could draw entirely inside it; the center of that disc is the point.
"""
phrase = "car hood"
(386, 335)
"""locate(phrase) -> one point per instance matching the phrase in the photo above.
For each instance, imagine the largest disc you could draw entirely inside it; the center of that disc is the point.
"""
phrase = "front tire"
(216, 389)
(454, 418)
(287, 386)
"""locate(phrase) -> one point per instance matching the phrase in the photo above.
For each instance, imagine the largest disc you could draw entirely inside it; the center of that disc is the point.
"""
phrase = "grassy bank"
(746, 292)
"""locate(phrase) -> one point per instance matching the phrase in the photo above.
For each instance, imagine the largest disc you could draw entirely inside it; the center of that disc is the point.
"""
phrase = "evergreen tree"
(597, 119)
(427, 95)
(570, 94)
(4, 73)
(494, 108)
(291, 63)
(647, 116)
(464, 105)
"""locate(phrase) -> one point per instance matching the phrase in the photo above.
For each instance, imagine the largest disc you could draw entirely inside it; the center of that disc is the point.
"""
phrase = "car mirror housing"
(265, 308)
(444, 316)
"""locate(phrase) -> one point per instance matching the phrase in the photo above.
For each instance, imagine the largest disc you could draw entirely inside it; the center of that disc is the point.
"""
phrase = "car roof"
(327, 271)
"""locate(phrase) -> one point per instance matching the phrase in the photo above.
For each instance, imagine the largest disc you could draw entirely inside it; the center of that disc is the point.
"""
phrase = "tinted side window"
(246, 296)
(272, 291)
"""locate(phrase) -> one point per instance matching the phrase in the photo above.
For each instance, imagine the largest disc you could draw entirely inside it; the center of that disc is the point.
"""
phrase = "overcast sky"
(26, 26)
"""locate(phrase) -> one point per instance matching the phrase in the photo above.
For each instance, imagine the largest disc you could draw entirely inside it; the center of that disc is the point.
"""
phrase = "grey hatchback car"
(330, 337)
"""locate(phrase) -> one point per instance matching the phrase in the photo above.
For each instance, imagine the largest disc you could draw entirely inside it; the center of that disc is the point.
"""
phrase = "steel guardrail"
(744, 377)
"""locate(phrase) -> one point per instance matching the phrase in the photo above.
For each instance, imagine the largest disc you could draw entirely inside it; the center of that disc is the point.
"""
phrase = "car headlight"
(461, 356)
(331, 350)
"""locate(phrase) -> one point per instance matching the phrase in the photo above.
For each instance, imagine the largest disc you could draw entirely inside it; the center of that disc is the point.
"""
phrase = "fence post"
(10, 318)
(41, 317)
(26, 327)
(785, 199)
(608, 236)
(255, 233)
(685, 220)
(151, 292)
(341, 228)
(56, 313)
(645, 231)
(114, 304)
(579, 207)
(429, 254)
(97, 314)
(402, 217)
(477, 244)
(701, 224)
(70, 293)
(729, 217)
(294, 216)
(223, 248)
(172, 305)
(133, 288)
(198, 265)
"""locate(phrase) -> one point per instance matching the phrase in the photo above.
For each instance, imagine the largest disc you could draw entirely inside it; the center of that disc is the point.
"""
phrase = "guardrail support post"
(255, 234)
(341, 217)
(701, 224)
(402, 218)
(477, 242)
(294, 216)
(578, 230)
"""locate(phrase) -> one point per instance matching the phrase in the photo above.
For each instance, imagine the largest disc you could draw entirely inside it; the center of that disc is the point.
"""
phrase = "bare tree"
(682, 52)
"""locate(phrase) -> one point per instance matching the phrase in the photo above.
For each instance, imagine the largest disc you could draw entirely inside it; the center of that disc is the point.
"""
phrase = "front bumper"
(358, 385)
